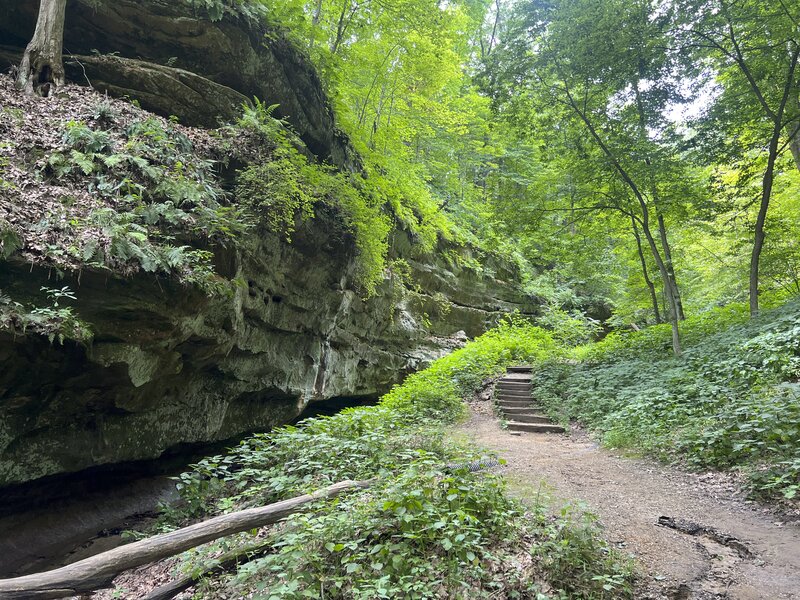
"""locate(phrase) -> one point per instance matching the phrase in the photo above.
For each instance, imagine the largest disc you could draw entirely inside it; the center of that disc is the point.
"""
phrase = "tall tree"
(605, 64)
(755, 47)
(42, 68)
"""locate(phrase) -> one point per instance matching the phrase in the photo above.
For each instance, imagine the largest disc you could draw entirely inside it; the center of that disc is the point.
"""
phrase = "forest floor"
(628, 495)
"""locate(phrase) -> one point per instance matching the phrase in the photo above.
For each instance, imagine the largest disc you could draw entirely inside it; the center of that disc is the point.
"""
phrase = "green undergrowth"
(152, 196)
(126, 192)
(282, 187)
(426, 528)
(732, 401)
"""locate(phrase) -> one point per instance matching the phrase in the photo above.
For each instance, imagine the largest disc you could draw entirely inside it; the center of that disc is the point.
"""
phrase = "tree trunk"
(645, 220)
(668, 289)
(777, 118)
(662, 228)
(758, 241)
(315, 18)
(662, 232)
(794, 144)
(650, 285)
(793, 129)
(98, 571)
(42, 68)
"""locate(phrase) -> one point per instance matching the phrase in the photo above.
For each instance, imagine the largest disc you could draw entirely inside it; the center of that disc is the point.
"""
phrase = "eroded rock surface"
(169, 365)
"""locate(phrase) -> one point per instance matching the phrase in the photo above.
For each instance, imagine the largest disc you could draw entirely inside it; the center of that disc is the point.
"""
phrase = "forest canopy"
(635, 156)
(641, 154)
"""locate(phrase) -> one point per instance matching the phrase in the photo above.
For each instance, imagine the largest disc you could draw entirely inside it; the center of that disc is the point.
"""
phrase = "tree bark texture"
(42, 69)
(650, 285)
(761, 218)
(662, 232)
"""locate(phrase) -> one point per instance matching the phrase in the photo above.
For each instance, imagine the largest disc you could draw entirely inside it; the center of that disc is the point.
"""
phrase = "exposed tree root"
(690, 528)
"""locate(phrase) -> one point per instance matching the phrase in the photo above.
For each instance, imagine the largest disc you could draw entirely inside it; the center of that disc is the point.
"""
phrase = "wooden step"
(519, 369)
(515, 403)
(524, 410)
(506, 388)
(535, 427)
(513, 383)
(523, 418)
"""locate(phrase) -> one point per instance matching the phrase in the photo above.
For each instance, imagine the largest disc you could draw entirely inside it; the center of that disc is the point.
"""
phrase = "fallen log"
(98, 571)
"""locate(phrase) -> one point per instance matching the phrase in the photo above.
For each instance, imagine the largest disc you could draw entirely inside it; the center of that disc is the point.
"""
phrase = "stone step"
(514, 394)
(535, 427)
(522, 418)
(515, 388)
(526, 399)
(507, 381)
(515, 399)
(519, 369)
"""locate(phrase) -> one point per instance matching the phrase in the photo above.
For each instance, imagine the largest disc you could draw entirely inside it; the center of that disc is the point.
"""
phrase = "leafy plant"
(153, 189)
(285, 186)
(55, 322)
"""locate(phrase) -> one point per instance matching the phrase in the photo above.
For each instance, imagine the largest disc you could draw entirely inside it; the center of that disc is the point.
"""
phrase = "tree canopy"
(638, 156)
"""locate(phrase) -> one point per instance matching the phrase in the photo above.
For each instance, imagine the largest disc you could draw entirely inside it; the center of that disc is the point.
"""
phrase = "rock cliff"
(168, 364)
(179, 58)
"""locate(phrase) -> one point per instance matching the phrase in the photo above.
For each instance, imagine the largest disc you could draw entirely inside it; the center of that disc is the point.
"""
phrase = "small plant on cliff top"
(56, 322)
(281, 190)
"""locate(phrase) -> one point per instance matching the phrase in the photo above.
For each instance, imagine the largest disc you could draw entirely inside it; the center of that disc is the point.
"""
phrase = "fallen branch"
(227, 563)
(98, 571)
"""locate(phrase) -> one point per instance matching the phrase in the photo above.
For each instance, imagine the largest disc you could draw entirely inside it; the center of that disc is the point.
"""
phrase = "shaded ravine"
(61, 519)
(629, 495)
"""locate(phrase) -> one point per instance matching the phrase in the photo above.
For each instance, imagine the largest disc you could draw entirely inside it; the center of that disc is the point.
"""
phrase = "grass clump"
(731, 402)
(425, 528)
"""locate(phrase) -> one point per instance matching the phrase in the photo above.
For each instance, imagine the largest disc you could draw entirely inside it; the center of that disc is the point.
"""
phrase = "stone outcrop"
(170, 366)
(231, 58)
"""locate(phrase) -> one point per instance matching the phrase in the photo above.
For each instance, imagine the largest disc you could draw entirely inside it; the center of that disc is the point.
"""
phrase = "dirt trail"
(629, 496)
